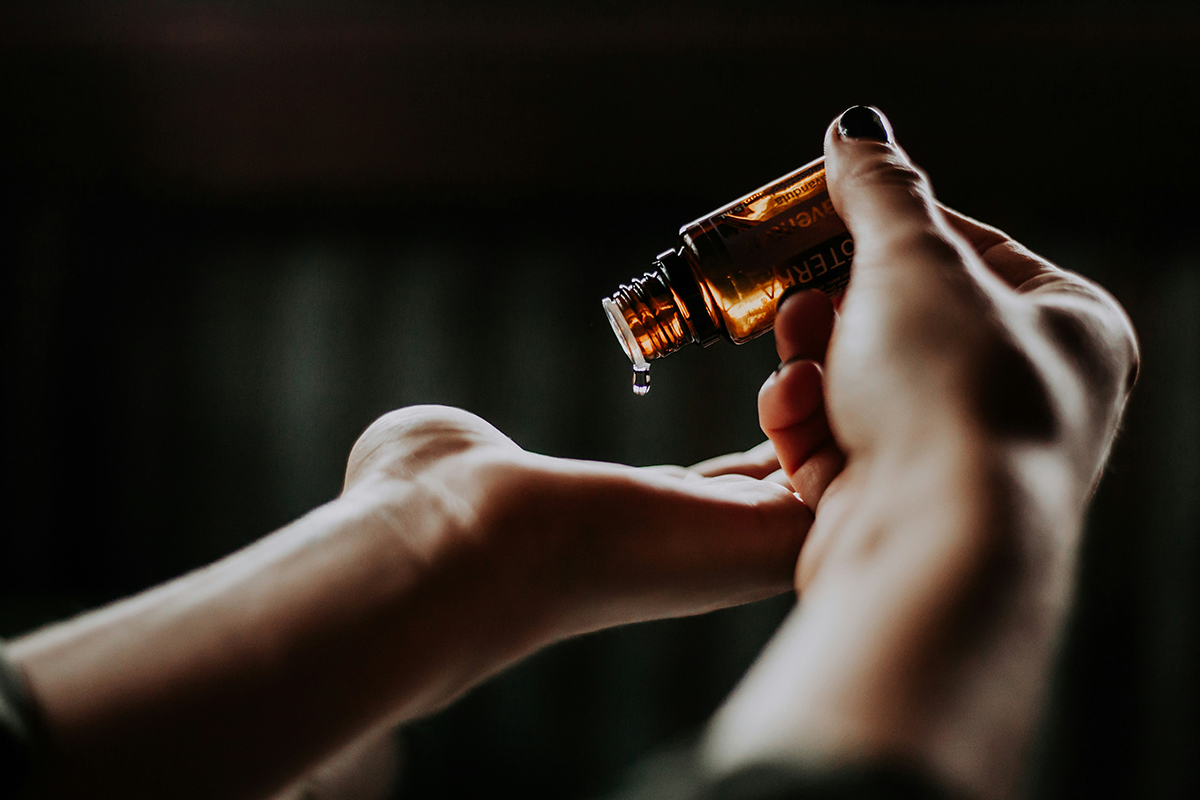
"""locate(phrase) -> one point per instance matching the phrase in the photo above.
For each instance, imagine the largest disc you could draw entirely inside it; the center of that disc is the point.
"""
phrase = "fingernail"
(783, 364)
(863, 122)
(791, 292)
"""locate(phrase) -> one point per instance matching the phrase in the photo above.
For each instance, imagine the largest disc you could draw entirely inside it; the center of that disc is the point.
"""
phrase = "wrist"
(467, 534)
(877, 662)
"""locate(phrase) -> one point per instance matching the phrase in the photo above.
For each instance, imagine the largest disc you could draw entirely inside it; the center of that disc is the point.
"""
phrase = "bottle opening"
(625, 335)
(646, 317)
(647, 320)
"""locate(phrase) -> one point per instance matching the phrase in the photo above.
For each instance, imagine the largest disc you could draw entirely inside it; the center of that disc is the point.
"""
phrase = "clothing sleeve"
(859, 782)
(16, 729)
(675, 774)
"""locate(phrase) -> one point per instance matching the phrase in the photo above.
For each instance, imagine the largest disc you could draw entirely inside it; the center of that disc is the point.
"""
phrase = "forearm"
(974, 389)
(927, 632)
(233, 679)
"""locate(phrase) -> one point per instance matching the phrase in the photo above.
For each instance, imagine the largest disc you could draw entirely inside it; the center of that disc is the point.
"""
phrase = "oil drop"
(629, 343)
(641, 379)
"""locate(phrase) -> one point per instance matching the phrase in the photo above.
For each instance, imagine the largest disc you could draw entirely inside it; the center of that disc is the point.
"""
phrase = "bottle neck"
(648, 319)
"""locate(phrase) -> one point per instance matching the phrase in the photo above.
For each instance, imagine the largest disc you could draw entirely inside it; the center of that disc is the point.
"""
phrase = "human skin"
(948, 426)
(933, 583)
(450, 554)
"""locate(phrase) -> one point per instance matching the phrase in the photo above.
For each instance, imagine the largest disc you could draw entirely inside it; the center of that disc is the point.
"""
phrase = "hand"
(971, 393)
(542, 548)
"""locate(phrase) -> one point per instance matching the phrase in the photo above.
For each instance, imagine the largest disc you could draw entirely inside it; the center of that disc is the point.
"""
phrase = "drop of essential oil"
(641, 379)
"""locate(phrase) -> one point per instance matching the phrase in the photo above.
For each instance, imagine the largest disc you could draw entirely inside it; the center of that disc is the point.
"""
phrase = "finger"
(809, 457)
(791, 395)
(671, 470)
(803, 324)
(1085, 321)
(744, 532)
(791, 412)
(813, 476)
(886, 202)
(780, 477)
(757, 462)
(1021, 268)
(1016, 264)
(652, 546)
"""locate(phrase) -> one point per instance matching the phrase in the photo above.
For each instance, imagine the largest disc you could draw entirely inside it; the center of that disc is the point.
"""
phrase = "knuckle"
(430, 419)
(1098, 340)
(901, 213)
(892, 172)
(418, 422)
(420, 435)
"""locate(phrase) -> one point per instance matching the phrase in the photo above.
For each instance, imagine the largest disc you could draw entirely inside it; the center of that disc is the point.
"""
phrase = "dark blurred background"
(235, 232)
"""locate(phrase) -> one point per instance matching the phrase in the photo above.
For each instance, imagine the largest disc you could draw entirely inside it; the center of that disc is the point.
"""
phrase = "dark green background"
(234, 233)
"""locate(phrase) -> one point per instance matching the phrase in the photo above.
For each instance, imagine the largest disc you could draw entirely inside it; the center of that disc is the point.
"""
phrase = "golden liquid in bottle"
(750, 252)
(731, 267)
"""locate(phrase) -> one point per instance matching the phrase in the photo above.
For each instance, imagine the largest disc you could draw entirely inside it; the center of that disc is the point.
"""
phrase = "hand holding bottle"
(948, 430)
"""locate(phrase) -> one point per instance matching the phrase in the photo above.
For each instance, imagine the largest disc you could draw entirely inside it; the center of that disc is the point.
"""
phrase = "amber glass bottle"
(729, 269)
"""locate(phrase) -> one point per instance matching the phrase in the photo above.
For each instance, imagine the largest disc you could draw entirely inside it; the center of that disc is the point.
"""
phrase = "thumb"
(886, 202)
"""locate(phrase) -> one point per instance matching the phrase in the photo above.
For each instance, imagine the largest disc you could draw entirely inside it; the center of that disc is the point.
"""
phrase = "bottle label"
(790, 231)
(772, 200)
(784, 235)
(825, 267)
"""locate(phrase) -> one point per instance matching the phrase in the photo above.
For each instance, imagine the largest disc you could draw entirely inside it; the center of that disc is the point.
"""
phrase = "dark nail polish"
(783, 364)
(788, 293)
(863, 122)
